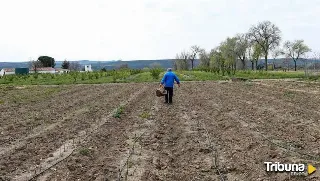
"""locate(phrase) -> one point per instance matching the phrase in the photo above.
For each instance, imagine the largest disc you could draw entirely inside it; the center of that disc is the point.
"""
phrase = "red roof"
(61, 69)
(44, 69)
(9, 69)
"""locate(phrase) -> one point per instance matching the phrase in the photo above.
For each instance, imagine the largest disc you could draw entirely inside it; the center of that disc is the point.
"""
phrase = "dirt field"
(213, 131)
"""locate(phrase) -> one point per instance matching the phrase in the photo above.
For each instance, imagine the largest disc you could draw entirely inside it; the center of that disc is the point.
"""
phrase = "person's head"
(169, 69)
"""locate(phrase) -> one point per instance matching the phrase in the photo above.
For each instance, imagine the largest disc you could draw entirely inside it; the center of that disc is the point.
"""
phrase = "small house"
(7, 71)
(87, 68)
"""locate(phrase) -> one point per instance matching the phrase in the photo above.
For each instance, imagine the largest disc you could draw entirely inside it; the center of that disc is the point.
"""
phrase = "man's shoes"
(166, 102)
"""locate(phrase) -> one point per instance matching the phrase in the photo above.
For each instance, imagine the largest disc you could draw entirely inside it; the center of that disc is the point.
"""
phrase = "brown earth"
(212, 131)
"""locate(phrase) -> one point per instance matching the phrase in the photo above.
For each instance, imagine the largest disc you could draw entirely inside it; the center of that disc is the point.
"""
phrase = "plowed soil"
(212, 131)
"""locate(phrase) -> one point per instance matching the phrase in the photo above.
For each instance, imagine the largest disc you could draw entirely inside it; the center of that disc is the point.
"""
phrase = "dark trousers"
(168, 96)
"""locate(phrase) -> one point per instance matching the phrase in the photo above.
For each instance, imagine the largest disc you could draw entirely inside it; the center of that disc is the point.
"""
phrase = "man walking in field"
(168, 82)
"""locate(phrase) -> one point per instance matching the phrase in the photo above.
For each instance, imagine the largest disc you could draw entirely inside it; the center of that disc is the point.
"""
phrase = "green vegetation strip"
(150, 75)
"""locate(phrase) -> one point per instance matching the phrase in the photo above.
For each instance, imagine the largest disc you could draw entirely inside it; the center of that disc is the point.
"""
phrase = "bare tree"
(267, 35)
(204, 58)
(249, 55)
(74, 66)
(295, 50)
(306, 60)
(275, 54)
(182, 61)
(35, 65)
(195, 50)
(317, 55)
(174, 65)
(286, 63)
(242, 45)
(314, 62)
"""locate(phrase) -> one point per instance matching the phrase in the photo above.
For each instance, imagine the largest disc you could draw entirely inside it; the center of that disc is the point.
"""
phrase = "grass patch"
(313, 78)
(155, 73)
(269, 74)
(28, 94)
(289, 94)
(141, 77)
(118, 112)
(145, 115)
(84, 151)
(16, 99)
(199, 76)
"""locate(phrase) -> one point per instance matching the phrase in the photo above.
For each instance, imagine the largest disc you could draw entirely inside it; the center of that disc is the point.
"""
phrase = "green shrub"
(35, 75)
(155, 72)
(103, 69)
(97, 75)
(110, 73)
(102, 74)
(313, 77)
(10, 77)
(74, 75)
(118, 112)
(84, 151)
(135, 71)
(83, 76)
(121, 74)
(90, 76)
(25, 77)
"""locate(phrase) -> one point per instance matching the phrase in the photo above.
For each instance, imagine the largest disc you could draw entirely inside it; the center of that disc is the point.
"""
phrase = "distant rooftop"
(9, 69)
(44, 69)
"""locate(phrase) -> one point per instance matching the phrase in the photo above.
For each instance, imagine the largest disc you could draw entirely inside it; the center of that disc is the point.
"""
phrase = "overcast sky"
(142, 29)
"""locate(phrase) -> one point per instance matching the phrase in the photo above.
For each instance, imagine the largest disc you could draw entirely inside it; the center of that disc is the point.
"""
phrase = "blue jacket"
(169, 78)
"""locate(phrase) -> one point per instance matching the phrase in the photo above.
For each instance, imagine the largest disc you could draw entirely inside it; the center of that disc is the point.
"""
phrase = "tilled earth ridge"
(247, 117)
(36, 148)
(35, 113)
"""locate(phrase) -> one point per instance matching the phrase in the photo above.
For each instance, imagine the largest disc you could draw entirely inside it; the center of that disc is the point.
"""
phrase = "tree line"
(261, 40)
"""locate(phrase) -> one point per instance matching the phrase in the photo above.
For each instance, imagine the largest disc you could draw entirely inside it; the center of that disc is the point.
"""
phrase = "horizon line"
(93, 60)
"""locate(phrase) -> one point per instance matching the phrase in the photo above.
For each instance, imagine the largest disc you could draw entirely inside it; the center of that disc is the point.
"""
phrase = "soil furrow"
(40, 146)
(106, 141)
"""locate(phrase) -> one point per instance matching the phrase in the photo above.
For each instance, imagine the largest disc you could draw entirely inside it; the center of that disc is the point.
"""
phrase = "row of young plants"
(120, 75)
(146, 75)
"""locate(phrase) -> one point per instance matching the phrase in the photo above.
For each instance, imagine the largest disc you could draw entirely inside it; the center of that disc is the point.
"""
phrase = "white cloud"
(140, 29)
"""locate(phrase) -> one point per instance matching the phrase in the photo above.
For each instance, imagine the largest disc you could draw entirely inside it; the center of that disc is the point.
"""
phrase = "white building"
(7, 71)
(62, 71)
(87, 68)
